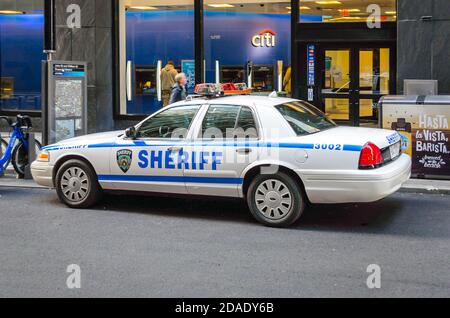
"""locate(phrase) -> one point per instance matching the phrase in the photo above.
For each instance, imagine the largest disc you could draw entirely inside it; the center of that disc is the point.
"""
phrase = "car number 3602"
(333, 147)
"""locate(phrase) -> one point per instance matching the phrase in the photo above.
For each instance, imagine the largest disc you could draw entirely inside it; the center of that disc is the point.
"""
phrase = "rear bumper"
(356, 185)
(42, 173)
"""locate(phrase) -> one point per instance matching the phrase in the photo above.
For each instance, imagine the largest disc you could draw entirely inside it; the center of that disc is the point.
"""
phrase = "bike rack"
(31, 156)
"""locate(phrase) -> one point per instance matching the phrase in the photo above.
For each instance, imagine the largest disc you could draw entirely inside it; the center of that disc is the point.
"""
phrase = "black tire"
(70, 179)
(20, 158)
(4, 145)
(282, 196)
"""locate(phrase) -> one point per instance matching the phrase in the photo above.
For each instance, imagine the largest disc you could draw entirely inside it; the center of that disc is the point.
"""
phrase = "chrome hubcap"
(75, 184)
(273, 199)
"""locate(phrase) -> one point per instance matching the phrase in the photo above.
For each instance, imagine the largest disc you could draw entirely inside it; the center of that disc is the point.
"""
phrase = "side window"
(220, 120)
(172, 123)
(246, 126)
(229, 122)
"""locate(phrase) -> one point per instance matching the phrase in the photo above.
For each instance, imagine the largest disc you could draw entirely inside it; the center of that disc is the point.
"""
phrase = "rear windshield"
(304, 118)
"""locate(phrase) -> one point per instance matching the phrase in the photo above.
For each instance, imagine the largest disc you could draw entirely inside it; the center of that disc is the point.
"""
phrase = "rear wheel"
(77, 185)
(275, 200)
(20, 157)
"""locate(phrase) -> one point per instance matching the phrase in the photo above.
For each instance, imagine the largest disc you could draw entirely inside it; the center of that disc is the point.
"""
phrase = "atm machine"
(145, 80)
(263, 78)
(6, 87)
(232, 74)
(143, 84)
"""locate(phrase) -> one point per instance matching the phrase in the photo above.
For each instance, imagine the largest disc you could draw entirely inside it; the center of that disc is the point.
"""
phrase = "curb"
(427, 190)
(20, 186)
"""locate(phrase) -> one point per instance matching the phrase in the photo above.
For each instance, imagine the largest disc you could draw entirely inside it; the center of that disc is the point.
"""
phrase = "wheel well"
(256, 171)
(63, 160)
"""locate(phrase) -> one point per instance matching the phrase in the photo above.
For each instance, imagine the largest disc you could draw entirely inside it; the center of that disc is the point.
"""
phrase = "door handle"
(175, 149)
(244, 151)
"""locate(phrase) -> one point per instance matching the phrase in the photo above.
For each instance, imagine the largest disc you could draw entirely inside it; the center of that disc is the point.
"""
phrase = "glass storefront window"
(21, 53)
(248, 42)
(156, 37)
(348, 11)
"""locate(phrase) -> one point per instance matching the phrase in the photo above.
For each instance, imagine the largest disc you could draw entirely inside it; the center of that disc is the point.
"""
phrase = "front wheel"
(77, 185)
(20, 157)
(275, 200)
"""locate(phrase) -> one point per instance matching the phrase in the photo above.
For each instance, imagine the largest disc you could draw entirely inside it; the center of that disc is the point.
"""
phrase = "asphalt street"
(134, 246)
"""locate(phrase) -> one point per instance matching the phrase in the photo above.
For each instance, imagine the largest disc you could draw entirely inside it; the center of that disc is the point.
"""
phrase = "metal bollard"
(31, 156)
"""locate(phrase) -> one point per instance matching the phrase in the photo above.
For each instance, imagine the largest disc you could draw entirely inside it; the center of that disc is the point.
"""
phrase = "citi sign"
(266, 38)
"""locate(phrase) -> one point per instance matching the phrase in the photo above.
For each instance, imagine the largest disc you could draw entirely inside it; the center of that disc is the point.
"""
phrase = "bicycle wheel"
(20, 157)
(4, 145)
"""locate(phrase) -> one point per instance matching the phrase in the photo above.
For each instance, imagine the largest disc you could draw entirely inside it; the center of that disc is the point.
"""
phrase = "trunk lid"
(358, 136)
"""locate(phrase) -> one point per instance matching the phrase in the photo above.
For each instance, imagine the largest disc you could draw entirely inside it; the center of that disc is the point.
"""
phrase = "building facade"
(342, 56)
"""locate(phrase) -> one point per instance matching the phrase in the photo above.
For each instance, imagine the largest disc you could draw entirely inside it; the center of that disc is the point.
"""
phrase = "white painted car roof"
(246, 100)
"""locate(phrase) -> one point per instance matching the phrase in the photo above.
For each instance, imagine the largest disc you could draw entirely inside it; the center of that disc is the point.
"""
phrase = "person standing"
(168, 74)
(179, 92)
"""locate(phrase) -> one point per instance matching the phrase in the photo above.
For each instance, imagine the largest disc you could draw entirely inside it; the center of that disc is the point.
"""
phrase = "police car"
(278, 154)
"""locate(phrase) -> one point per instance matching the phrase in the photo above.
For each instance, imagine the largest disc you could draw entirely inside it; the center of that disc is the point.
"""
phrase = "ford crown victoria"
(278, 154)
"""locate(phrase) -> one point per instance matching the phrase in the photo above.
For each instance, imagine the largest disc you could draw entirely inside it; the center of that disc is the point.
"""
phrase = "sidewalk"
(412, 186)
(9, 180)
(426, 186)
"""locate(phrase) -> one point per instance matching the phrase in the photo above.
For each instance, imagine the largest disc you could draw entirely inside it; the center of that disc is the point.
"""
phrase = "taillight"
(371, 157)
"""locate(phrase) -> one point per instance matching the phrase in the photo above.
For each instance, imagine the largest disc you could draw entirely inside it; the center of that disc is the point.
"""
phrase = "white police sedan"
(279, 154)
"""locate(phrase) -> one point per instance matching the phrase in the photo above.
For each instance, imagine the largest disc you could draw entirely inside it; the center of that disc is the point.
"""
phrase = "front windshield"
(304, 118)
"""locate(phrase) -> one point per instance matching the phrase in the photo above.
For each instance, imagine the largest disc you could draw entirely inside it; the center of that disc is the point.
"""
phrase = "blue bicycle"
(16, 151)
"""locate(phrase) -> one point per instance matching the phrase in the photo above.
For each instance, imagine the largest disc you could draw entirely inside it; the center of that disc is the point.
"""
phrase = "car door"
(225, 143)
(153, 162)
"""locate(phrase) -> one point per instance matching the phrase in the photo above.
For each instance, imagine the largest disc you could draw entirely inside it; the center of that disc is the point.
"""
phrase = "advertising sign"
(311, 64)
(426, 135)
(188, 68)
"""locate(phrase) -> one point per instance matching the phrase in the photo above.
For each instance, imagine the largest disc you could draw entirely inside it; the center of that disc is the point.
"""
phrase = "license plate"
(395, 150)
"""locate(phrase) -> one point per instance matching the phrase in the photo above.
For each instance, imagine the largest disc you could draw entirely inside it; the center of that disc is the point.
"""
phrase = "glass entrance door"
(336, 88)
(374, 81)
(353, 80)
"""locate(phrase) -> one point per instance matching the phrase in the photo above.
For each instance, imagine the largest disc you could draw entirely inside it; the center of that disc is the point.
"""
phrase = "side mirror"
(131, 133)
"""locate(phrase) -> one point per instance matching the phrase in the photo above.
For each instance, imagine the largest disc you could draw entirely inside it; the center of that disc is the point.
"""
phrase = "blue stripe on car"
(172, 179)
(352, 148)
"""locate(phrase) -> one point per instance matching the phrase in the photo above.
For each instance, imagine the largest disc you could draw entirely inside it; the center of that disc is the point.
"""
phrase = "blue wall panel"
(21, 46)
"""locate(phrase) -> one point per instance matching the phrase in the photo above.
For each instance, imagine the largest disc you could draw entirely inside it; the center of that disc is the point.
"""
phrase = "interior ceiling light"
(11, 12)
(328, 2)
(305, 8)
(349, 10)
(221, 5)
(142, 8)
(345, 18)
